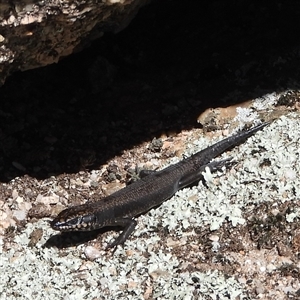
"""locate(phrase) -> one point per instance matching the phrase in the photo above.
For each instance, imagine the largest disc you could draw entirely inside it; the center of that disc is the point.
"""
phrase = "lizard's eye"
(74, 222)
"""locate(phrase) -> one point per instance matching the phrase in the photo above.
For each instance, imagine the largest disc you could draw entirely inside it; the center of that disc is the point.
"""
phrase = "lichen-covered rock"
(37, 33)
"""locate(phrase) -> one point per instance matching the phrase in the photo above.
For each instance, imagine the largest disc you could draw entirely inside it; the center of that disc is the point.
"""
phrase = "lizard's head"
(73, 219)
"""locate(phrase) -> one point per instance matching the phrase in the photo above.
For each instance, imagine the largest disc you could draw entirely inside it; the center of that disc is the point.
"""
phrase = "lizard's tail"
(215, 150)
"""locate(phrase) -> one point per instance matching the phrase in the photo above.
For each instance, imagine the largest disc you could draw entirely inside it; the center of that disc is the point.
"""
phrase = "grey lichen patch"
(194, 246)
(127, 274)
(210, 285)
(225, 199)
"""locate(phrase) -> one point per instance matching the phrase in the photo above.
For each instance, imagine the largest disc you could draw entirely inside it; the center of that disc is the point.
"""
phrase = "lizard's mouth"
(74, 224)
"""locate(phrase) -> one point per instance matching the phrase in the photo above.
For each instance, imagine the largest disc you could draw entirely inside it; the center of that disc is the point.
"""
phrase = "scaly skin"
(121, 207)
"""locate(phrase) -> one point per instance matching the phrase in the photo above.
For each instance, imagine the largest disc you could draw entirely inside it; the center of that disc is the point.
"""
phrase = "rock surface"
(38, 33)
(69, 134)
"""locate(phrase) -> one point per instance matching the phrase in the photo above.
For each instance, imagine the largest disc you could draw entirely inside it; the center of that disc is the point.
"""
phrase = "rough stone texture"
(37, 33)
(69, 134)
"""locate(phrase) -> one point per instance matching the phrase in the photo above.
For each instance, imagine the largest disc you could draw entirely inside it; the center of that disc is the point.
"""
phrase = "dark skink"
(151, 190)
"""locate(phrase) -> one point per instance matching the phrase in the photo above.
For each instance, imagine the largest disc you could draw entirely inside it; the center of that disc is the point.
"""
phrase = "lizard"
(154, 187)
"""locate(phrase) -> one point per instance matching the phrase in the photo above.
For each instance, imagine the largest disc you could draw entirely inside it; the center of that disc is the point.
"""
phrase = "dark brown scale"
(120, 208)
